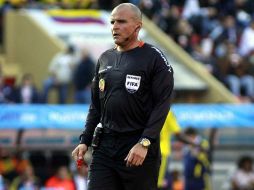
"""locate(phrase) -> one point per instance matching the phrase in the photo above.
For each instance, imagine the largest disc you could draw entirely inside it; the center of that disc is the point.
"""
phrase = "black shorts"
(108, 170)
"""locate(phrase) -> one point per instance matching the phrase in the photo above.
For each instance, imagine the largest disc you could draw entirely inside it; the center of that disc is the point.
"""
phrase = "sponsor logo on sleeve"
(105, 69)
(164, 59)
(132, 83)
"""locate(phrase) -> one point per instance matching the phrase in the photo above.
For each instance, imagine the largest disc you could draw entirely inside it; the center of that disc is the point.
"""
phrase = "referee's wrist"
(83, 140)
(145, 137)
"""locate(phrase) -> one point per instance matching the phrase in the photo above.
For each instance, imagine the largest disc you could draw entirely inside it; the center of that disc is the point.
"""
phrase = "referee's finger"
(75, 154)
(138, 163)
(134, 161)
(126, 158)
(129, 160)
(80, 154)
(141, 161)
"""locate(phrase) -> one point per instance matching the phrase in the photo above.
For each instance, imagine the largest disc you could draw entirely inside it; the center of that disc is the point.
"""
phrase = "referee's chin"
(120, 42)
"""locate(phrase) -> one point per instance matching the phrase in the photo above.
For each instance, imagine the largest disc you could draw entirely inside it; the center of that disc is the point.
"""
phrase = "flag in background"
(76, 16)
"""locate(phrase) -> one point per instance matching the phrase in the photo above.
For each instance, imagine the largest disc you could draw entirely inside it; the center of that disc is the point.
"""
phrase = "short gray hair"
(134, 9)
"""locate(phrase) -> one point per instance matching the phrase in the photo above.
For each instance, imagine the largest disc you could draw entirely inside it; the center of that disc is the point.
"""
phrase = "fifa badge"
(102, 85)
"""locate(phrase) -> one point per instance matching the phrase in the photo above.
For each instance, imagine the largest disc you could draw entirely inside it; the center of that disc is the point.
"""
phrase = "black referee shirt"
(131, 91)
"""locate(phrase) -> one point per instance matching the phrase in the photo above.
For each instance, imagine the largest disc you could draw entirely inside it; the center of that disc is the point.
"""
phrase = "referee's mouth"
(116, 35)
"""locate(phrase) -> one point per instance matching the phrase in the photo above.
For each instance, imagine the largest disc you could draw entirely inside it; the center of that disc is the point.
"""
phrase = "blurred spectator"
(196, 163)
(170, 129)
(21, 162)
(199, 55)
(80, 178)
(191, 8)
(150, 8)
(3, 183)
(7, 164)
(250, 61)
(177, 182)
(26, 93)
(201, 18)
(11, 164)
(246, 45)
(184, 34)
(234, 71)
(243, 178)
(161, 8)
(61, 70)
(168, 19)
(242, 16)
(83, 75)
(228, 31)
(40, 164)
(26, 180)
(61, 180)
(5, 91)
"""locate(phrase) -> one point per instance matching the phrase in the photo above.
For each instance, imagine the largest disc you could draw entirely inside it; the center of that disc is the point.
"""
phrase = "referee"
(131, 95)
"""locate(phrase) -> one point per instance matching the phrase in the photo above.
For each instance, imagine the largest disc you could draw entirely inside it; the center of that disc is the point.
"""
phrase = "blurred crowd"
(219, 34)
(37, 171)
(55, 170)
(69, 68)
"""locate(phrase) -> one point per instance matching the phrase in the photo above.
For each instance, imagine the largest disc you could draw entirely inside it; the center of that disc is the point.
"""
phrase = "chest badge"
(102, 85)
(132, 83)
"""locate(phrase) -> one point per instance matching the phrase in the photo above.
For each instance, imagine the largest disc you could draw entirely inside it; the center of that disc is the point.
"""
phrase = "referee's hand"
(79, 152)
(136, 155)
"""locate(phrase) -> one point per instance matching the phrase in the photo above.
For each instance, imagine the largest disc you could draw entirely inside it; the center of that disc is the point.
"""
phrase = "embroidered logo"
(102, 85)
(132, 83)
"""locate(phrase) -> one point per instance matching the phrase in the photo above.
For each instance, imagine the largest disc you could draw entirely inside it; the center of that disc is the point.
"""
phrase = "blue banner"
(214, 115)
(43, 116)
(73, 116)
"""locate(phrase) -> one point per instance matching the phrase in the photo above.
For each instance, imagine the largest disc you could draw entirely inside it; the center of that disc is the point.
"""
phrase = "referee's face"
(124, 26)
